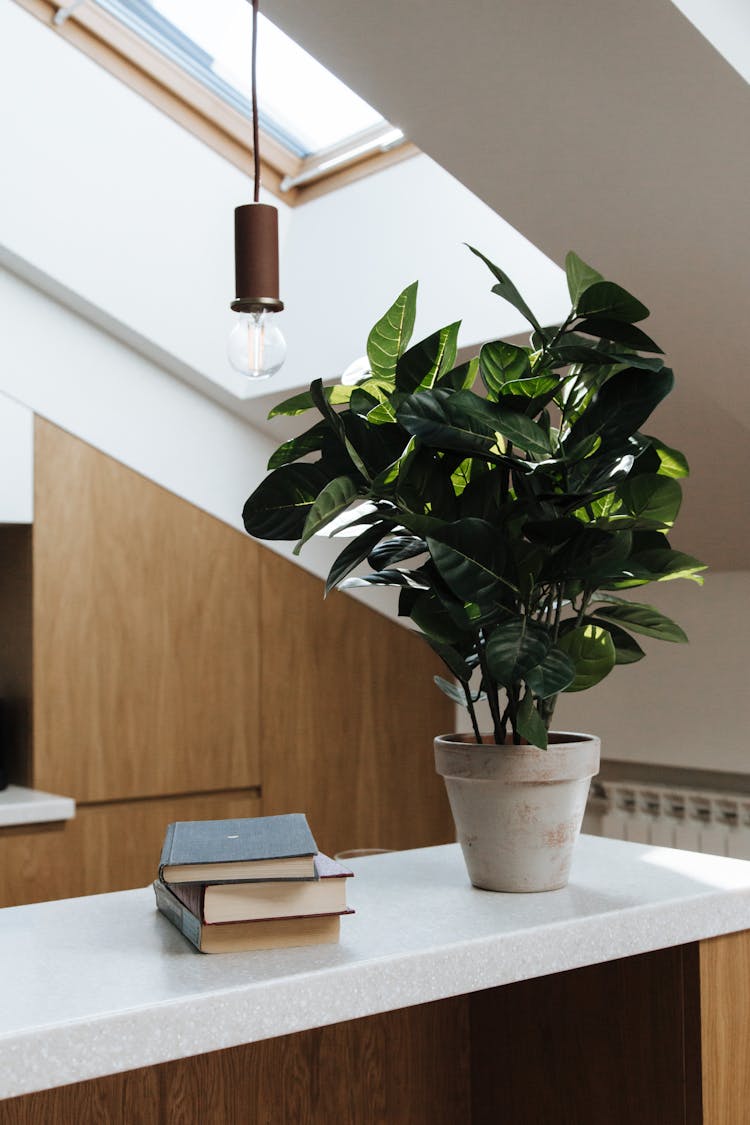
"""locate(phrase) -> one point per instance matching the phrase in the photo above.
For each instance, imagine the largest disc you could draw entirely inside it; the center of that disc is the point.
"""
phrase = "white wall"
(16, 462)
(351, 252)
(683, 705)
(108, 197)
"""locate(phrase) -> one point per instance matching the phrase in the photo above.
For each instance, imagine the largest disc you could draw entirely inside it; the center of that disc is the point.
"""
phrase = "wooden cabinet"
(146, 631)
(161, 653)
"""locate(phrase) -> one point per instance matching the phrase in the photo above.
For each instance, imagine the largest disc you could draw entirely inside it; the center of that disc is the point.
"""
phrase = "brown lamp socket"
(256, 258)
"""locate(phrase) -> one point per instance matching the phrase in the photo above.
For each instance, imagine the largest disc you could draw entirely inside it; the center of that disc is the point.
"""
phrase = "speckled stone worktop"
(93, 986)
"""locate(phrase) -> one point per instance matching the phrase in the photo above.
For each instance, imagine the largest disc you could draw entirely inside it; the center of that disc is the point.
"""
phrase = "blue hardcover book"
(237, 851)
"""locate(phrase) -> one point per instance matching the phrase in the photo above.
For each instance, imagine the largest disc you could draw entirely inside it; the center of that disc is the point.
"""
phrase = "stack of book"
(256, 883)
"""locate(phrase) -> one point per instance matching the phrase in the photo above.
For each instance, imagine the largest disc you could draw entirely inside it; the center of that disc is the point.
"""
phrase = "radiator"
(696, 820)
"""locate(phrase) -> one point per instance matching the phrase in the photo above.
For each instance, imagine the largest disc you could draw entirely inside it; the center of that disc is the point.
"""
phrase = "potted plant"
(511, 499)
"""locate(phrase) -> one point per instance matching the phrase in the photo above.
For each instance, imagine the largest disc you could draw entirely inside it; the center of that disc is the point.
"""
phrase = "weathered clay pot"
(517, 809)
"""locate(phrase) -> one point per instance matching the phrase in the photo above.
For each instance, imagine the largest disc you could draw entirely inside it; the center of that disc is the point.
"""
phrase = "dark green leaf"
(396, 549)
(622, 405)
(650, 497)
(431, 416)
(592, 650)
(514, 648)
(556, 672)
(627, 649)
(643, 619)
(334, 499)
(660, 566)
(619, 332)
(579, 276)
(499, 363)
(451, 658)
(430, 615)
(529, 723)
(422, 365)
(517, 428)
(309, 442)
(298, 404)
(507, 290)
(390, 336)
(604, 298)
(391, 577)
(355, 552)
(278, 507)
(461, 378)
(470, 558)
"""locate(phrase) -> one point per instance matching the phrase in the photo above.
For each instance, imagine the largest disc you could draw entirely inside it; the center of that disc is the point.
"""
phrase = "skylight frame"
(158, 31)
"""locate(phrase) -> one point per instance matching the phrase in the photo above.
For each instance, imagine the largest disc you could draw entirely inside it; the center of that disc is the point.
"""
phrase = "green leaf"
(627, 649)
(619, 332)
(331, 502)
(390, 336)
(622, 405)
(461, 378)
(355, 552)
(431, 616)
(278, 507)
(411, 579)
(592, 650)
(470, 558)
(451, 658)
(422, 365)
(433, 418)
(309, 442)
(337, 396)
(604, 298)
(651, 497)
(643, 619)
(507, 290)
(396, 549)
(529, 723)
(579, 276)
(518, 428)
(336, 423)
(514, 648)
(661, 566)
(556, 672)
(672, 463)
(449, 689)
(499, 363)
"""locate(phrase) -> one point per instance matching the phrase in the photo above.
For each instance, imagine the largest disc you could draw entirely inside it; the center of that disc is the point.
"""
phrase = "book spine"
(180, 917)
(166, 851)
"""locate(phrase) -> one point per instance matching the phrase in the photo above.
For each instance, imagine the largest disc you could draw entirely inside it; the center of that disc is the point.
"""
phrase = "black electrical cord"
(256, 144)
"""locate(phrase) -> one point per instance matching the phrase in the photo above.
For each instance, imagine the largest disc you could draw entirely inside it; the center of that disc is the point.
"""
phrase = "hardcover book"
(244, 902)
(252, 848)
(240, 937)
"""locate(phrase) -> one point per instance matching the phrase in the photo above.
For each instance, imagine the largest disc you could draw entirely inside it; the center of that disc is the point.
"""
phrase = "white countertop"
(93, 986)
(19, 805)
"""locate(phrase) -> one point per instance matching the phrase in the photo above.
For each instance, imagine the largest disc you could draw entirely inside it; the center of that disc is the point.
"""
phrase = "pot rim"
(465, 740)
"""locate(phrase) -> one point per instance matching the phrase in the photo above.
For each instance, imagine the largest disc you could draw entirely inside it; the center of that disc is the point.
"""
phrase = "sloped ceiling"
(614, 129)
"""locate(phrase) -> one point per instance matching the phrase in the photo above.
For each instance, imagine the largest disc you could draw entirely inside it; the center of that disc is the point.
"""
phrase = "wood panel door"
(146, 659)
(349, 714)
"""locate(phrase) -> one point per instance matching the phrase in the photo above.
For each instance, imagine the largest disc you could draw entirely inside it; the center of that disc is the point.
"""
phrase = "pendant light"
(256, 347)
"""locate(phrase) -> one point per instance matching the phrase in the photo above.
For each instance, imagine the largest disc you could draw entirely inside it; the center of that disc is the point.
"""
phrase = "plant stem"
(472, 712)
(492, 692)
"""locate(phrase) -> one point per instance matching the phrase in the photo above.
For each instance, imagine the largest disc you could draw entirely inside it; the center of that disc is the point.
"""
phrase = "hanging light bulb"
(256, 345)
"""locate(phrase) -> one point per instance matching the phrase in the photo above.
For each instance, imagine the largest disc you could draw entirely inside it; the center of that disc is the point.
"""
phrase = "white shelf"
(31, 806)
(94, 986)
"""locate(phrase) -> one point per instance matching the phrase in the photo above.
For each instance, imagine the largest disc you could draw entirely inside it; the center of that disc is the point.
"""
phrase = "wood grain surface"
(108, 847)
(409, 1067)
(349, 714)
(146, 669)
(604, 1045)
(725, 1029)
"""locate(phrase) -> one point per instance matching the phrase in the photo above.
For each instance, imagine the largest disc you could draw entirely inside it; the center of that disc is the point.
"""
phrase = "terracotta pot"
(517, 809)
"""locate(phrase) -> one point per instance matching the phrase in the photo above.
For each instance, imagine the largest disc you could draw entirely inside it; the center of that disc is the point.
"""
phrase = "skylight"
(301, 103)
